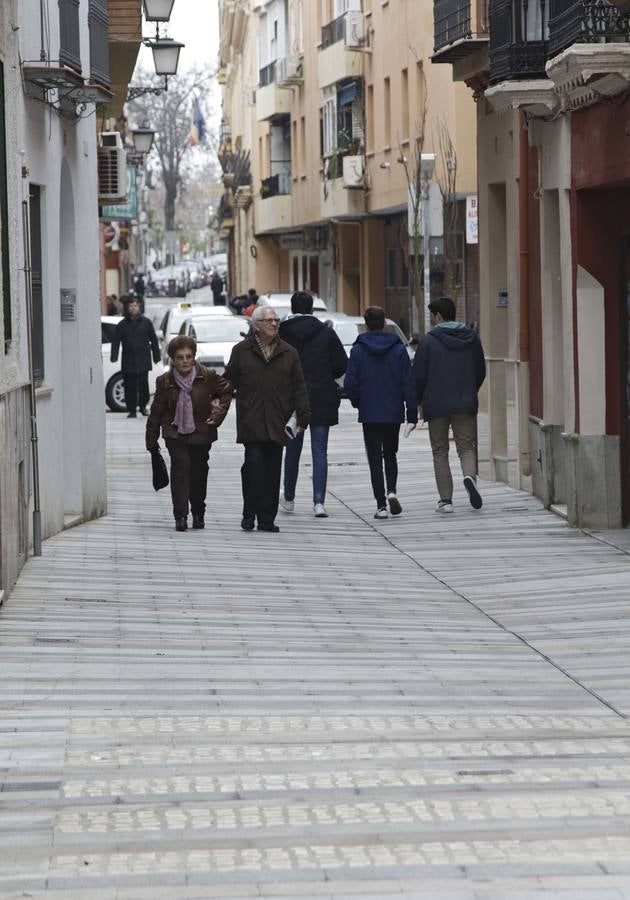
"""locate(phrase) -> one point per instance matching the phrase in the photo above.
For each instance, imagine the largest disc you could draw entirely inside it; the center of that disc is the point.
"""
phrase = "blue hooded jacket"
(379, 379)
(450, 368)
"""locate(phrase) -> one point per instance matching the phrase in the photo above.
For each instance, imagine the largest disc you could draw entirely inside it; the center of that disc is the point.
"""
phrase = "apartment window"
(404, 101)
(329, 121)
(387, 112)
(391, 268)
(4, 223)
(420, 98)
(35, 215)
(295, 150)
(69, 34)
(303, 143)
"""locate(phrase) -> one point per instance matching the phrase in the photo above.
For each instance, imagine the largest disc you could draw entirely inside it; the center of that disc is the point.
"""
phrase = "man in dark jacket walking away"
(216, 286)
(267, 375)
(379, 382)
(136, 334)
(450, 368)
(323, 360)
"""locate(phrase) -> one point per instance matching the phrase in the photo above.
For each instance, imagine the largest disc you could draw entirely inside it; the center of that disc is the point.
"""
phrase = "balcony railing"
(69, 35)
(275, 186)
(586, 22)
(98, 20)
(518, 40)
(267, 75)
(334, 31)
(459, 27)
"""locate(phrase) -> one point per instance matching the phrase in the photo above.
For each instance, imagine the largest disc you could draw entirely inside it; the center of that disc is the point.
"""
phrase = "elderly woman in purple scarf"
(190, 403)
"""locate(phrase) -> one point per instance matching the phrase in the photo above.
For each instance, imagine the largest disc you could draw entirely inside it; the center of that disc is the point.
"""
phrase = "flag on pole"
(197, 126)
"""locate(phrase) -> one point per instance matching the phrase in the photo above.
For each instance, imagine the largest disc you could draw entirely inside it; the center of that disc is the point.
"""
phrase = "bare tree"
(412, 167)
(170, 113)
(446, 177)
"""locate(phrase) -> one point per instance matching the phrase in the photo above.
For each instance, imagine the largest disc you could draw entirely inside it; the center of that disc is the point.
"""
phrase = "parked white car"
(216, 337)
(348, 329)
(176, 314)
(281, 302)
(112, 376)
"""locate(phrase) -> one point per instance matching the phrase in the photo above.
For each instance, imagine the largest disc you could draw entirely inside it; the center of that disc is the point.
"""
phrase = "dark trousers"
(189, 477)
(260, 477)
(136, 390)
(381, 446)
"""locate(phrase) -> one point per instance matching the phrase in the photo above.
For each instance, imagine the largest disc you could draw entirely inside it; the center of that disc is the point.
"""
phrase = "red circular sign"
(109, 233)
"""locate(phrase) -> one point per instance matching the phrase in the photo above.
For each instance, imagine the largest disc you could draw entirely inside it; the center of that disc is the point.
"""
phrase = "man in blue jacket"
(379, 382)
(450, 368)
(323, 360)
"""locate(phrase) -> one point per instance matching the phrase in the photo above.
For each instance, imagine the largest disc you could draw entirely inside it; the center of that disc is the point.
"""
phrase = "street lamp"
(165, 55)
(158, 10)
(427, 167)
(142, 139)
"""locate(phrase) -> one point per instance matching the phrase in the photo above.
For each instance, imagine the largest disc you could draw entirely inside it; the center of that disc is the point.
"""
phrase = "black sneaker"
(131, 415)
(144, 411)
(247, 523)
(198, 522)
(268, 526)
(181, 524)
(473, 494)
(394, 504)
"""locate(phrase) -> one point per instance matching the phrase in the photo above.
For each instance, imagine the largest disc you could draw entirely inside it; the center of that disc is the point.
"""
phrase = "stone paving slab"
(422, 707)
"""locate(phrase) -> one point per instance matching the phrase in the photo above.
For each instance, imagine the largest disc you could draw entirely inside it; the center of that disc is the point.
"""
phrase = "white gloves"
(409, 427)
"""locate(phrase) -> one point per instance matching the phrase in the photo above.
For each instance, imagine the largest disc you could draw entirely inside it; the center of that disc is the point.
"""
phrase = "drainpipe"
(523, 228)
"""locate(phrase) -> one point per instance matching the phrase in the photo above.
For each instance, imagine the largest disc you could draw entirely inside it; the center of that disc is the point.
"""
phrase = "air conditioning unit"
(289, 70)
(354, 32)
(112, 169)
(352, 174)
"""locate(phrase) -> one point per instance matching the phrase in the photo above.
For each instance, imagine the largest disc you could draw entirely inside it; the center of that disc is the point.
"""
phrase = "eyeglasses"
(270, 321)
(179, 358)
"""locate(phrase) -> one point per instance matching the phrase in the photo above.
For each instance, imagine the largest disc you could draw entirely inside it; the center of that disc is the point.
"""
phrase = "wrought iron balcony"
(460, 27)
(518, 40)
(276, 185)
(586, 22)
(267, 75)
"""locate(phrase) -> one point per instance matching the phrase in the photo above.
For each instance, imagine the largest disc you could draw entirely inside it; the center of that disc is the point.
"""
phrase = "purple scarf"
(184, 420)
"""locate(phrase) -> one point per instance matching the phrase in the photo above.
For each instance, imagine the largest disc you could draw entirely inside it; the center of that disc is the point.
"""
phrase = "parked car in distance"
(215, 336)
(281, 302)
(175, 315)
(158, 286)
(112, 376)
(348, 328)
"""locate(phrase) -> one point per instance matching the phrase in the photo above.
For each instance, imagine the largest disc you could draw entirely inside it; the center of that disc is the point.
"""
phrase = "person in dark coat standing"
(270, 388)
(139, 342)
(216, 286)
(379, 382)
(139, 289)
(190, 403)
(450, 368)
(323, 360)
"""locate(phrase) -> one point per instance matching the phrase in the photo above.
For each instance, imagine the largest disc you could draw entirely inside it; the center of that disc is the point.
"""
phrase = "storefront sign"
(472, 220)
(293, 241)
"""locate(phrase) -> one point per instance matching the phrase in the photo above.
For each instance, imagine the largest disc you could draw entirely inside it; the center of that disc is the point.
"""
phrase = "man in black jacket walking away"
(139, 342)
(450, 368)
(323, 360)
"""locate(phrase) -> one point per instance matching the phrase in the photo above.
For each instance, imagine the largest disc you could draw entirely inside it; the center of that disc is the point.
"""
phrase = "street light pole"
(427, 165)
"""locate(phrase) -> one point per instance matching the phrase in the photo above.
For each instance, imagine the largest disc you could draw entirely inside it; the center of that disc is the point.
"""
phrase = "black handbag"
(160, 472)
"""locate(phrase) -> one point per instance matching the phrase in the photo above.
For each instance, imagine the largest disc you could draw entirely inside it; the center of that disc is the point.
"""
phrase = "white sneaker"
(287, 506)
(381, 513)
(444, 506)
(320, 512)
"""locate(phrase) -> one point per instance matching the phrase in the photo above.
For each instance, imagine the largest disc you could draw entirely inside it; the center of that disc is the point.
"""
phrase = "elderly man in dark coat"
(139, 342)
(323, 360)
(270, 388)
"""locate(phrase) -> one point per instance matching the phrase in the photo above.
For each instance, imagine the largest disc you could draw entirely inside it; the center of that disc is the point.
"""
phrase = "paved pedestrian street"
(423, 707)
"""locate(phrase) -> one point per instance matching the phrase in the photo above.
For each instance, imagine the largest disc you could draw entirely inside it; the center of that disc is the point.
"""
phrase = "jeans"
(136, 390)
(381, 446)
(319, 452)
(260, 479)
(465, 434)
(189, 477)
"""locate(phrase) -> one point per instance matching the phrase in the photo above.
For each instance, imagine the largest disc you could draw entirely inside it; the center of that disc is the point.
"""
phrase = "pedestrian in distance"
(379, 383)
(449, 368)
(139, 289)
(190, 403)
(139, 342)
(270, 388)
(323, 359)
(216, 286)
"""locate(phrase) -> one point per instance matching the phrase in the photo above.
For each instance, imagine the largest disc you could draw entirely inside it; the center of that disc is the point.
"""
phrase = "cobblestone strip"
(329, 856)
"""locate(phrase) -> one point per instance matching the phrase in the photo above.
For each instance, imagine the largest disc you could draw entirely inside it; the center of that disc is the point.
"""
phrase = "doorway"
(625, 379)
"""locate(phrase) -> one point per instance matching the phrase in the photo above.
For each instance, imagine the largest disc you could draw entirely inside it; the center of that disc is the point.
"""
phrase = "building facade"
(326, 107)
(50, 82)
(551, 81)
